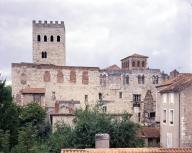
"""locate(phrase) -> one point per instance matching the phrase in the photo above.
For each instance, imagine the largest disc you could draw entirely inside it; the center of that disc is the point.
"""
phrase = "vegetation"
(24, 129)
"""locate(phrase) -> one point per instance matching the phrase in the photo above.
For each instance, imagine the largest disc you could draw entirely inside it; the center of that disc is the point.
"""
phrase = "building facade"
(131, 88)
(175, 102)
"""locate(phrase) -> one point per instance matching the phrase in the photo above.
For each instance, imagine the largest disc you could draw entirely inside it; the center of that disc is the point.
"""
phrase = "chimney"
(102, 140)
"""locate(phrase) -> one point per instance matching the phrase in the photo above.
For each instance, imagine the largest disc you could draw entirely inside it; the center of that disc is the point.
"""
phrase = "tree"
(87, 123)
(9, 113)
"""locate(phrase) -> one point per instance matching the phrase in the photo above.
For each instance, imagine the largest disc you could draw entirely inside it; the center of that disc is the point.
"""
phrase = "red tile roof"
(129, 150)
(33, 91)
(180, 82)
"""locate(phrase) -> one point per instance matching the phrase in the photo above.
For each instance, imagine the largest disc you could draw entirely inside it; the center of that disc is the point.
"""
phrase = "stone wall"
(83, 84)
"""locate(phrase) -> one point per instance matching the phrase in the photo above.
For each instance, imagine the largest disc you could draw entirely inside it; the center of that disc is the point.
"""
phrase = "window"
(164, 115)
(58, 38)
(51, 38)
(138, 63)
(120, 94)
(86, 98)
(43, 54)
(141, 79)
(133, 64)
(104, 109)
(53, 95)
(37, 98)
(38, 38)
(100, 96)
(45, 38)
(60, 78)
(164, 98)
(171, 97)
(103, 79)
(155, 79)
(143, 64)
(47, 76)
(126, 79)
(152, 114)
(136, 98)
(171, 116)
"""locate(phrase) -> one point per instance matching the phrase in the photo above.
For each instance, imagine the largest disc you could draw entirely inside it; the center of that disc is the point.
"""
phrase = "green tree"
(87, 123)
(9, 113)
(4, 141)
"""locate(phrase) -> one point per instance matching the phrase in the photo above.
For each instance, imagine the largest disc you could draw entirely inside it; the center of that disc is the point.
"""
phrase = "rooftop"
(180, 82)
(135, 55)
(129, 150)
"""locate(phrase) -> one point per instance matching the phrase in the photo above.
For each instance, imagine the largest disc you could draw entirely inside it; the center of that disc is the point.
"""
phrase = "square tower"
(134, 61)
(49, 43)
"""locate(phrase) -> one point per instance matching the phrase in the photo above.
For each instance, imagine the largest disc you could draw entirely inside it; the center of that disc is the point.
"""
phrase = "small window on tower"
(143, 64)
(38, 38)
(45, 38)
(43, 54)
(58, 38)
(133, 64)
(51, 38)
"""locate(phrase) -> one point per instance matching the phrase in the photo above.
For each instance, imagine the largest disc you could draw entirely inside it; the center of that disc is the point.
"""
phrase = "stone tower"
(49, 43)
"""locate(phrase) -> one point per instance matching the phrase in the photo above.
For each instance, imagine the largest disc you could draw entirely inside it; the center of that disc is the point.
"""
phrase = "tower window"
(51, 38)
(143, 64)
(58, 38)
(45, 38)
(141, 79)
(120, 95)
(126, 79)
(38, 38)
(43, 54)
(100, 96)
(138, 63)
(133, 64)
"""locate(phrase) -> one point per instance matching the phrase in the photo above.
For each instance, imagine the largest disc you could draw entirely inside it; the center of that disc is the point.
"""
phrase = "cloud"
(100, 33)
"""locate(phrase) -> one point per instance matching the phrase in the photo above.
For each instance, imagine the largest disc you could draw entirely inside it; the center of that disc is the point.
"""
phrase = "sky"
(102, 32)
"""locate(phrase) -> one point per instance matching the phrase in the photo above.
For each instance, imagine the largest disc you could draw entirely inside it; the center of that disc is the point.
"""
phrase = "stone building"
(175, 110)
(48, 81)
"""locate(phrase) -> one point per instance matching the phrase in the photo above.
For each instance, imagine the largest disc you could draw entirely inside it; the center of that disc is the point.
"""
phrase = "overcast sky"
(101, 32)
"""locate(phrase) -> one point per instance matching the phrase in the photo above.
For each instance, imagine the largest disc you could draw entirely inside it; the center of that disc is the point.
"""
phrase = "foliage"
(4, 141)
(9, 113)
(32, 113)
(89, 122)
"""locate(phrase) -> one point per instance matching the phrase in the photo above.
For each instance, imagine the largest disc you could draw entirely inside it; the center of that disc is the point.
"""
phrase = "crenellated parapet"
(51, 24)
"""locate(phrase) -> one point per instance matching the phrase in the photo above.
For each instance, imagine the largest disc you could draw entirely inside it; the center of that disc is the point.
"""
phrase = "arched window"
(45, 38)
(43, 54)
(143, 64)
(138, 63)
(133, 64)
(58, 38)
(73, 76)
(51, 38)
(38, 38)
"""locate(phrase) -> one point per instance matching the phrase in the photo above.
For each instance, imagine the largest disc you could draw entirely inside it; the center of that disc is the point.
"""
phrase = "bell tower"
(49, 43)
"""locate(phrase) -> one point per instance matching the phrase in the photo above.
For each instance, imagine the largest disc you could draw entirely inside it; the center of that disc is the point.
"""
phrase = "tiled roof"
(33, 91)
(135, 55)
(180, 82)
(113, 67)
(149, 132)
(129, 150)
